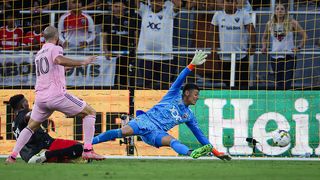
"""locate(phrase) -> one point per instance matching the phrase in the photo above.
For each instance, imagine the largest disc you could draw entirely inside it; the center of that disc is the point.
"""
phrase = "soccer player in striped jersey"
(51, 95)
(172, 110)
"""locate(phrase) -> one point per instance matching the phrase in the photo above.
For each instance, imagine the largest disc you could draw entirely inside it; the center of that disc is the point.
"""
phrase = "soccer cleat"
(204, 150)
(10, 160)
(38, 158)
(91, 155)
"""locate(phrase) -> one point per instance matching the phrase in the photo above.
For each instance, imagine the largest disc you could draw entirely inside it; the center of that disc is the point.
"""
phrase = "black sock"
(71, 152)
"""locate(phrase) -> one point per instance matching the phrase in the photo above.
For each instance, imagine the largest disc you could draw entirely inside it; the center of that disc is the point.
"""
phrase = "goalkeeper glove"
(199, 58)
(221, 155)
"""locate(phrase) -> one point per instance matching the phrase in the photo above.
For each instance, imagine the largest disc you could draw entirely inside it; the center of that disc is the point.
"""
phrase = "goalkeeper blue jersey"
(172, 111)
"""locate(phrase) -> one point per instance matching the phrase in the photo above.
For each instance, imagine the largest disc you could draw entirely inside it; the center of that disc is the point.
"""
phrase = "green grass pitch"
(130, 169)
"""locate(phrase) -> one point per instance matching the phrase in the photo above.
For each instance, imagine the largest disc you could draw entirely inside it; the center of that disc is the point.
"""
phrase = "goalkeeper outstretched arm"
(194, 127)
(198, 59)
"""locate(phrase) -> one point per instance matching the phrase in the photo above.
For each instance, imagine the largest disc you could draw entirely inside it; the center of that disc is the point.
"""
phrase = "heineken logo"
(229, 117)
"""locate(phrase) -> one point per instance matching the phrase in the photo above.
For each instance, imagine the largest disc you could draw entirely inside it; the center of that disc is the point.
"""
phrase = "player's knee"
(92, 112)
(78, 149)
(127, 131)
(89, 111)
(164, 140)
(33, 125)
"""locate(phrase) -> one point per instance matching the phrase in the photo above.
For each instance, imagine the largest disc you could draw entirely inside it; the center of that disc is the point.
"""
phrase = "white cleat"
(38, 158)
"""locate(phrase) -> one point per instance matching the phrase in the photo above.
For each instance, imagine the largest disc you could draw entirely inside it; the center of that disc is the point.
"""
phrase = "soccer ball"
(281, 138)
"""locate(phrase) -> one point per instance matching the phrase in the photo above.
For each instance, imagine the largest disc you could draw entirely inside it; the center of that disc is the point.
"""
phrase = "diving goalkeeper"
(172, 110)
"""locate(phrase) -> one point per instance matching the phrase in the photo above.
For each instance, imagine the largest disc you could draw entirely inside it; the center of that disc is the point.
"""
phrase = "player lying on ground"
(57, 150)
(172, 110)
(51, 95)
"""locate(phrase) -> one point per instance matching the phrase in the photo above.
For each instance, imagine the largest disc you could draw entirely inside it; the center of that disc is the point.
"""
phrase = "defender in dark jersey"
(56, 150)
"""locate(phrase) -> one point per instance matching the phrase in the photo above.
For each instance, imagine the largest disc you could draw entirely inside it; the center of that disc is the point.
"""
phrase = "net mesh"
(261, 75)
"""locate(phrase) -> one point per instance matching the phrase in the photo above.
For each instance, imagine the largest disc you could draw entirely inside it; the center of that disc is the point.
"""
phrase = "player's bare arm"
(68, 62)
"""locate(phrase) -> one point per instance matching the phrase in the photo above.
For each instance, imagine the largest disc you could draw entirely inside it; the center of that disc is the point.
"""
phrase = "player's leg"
(176, 145)
(165, 73)
(23, 139)
(280, 68)
(65, 154)
(290, 66)
(88, 125)
(226, 73)
(71, 106)
(128, 130)
(140, 74)
(38, 115)
(167, 140)
(243, 73)
(148, 71)
(61, 150)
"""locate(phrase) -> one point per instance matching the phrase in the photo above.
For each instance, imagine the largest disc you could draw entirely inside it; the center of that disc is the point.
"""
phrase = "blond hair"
(286, 20)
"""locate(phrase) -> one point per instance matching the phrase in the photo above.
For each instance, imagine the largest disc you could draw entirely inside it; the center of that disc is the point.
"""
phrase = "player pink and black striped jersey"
(51, 81)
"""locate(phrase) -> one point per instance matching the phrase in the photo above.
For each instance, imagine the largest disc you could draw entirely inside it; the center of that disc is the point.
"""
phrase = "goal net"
(262, 73)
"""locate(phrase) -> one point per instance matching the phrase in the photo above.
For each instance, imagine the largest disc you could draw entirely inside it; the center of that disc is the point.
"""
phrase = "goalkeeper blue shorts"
(148, 131)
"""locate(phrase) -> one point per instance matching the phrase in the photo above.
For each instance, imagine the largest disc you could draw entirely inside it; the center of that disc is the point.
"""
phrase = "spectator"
(183, 34)
(241, 4)
(308, 2)
(10, 34)
(33, 40)
(230, 28)
(76, 29)
(317, 2)
(156, 36)
(202, 39)
(94, 4)
(59, 5)
(35, 7)
(10, 7)
(120, 29)
(281, 28)
(245, 5)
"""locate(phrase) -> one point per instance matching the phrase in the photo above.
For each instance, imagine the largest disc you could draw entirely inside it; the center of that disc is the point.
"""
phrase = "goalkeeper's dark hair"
(15, 100)
(189, 87)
